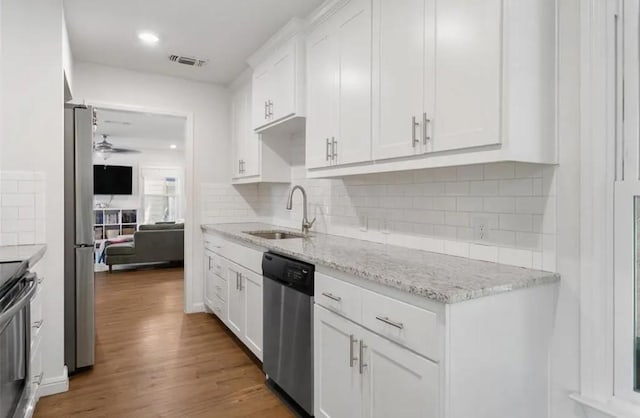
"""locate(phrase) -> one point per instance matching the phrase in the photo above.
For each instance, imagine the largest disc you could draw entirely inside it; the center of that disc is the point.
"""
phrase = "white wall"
(565, 355)
(207, 103)
(31, 135)
(146, 158)
(67, 61)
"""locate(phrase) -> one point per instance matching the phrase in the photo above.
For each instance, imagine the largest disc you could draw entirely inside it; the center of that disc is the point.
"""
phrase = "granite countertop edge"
(31, 253)
(538, 278)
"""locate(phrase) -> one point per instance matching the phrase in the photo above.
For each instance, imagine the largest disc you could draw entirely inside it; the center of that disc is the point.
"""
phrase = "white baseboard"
(53, 385)
(195, 308)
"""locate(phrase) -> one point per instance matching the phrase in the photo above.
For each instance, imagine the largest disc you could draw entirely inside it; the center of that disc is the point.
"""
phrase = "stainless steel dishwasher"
(288, 328)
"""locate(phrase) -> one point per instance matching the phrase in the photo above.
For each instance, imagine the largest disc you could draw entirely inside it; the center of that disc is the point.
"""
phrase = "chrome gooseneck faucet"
(306, 224)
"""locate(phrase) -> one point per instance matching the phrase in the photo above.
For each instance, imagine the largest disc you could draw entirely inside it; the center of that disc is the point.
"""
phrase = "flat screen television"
(112, 179)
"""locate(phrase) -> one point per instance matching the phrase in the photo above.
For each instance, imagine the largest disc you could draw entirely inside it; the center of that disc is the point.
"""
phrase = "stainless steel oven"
(16, 397)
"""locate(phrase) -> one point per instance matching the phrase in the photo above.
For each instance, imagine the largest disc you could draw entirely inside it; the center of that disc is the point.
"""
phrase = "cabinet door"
(398, 76)
(353, 47)
(235, 300)
(397, 382)
(283, 78)
(252, 290)
(251, 140)
(238, 131)
(337, 381)
(262, 87)
(322, 92)
(468, 66)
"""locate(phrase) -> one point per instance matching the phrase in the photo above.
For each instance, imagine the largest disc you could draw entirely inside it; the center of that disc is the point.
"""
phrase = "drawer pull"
(387, 321)
(38, 379)
(332, 297)
(37, 324)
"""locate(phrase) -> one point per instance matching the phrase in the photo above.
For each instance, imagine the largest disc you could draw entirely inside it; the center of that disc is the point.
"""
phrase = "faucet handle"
(312, 222)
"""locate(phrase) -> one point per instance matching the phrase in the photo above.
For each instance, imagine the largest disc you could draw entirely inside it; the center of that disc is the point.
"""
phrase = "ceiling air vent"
(190, 61)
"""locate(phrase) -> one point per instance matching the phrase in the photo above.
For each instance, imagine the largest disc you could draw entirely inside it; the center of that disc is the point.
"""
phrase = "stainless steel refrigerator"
(79, 296)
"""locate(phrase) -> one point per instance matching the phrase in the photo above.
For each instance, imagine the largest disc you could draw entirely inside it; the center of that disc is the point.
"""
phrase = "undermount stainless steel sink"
(274, 234)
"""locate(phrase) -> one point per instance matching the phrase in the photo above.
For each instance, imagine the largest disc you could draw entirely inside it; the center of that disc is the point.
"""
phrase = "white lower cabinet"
(234, 292)
(381, 353)
(337, 379)
(235, 300)
(360, 374)
(397, 382)
(252, 292)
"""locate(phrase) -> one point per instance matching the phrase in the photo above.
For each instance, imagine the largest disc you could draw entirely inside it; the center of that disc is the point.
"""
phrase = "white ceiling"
(225, 32)
(140, 131)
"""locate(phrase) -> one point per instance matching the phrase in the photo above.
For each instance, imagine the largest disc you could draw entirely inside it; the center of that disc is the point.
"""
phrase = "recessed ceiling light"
(173, 146)
(148, 38)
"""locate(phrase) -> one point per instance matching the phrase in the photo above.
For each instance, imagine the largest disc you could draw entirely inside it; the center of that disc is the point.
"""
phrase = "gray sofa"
(151, 244)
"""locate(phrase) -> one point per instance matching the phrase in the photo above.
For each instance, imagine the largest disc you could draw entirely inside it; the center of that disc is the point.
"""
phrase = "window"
(162, 195)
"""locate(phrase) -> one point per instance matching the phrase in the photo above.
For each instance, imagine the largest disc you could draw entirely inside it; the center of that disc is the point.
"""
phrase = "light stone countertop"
(439, 277)
(18, 253)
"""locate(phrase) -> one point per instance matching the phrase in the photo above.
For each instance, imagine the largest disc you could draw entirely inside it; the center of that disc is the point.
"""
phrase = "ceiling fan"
(105, 147)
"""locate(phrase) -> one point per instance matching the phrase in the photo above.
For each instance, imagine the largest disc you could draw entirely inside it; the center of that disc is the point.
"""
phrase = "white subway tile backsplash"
(500, 171)
(516, 187)
(22, 208)
(499, 204)
(432, 209)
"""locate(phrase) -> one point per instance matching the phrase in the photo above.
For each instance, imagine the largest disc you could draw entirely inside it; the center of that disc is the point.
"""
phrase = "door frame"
(190, 229)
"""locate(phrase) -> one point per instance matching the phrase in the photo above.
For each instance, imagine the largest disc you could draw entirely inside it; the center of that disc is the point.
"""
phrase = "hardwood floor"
(152, 360)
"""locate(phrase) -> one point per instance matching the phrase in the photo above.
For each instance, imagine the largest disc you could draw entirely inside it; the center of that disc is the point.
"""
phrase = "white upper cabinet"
(278, 78)
(468, 54)
(452, 82)
(399, 76)
(437, 79)
(245, 143)
(339, 87)
(322, 73)
(255, 157)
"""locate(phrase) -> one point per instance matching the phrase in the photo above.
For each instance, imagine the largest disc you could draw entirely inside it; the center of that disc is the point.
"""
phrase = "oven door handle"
(7, 315)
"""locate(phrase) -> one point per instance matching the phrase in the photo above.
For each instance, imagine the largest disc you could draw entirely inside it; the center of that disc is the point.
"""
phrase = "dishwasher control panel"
(288, 271)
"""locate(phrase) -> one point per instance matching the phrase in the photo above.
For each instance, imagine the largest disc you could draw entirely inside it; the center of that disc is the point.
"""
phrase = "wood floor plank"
(152, 360)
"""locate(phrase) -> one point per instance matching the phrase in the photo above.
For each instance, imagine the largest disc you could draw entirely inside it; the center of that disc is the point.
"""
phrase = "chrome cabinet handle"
(414, 124)
(328, 154)
(38, 379)
(352, 359)
(362, 363)
(334, 148)
(332, 297)
(266, 112)
(425, 122)
(37, 324)
(387, 321)
(270, 109)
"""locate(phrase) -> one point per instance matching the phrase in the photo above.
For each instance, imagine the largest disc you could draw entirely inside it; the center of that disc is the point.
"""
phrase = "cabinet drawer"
(220, 290)
(216, 266)
(338, 296)
(409, 326)
(36, 365)
(219, 308)
(247, 257)
(213, 243)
